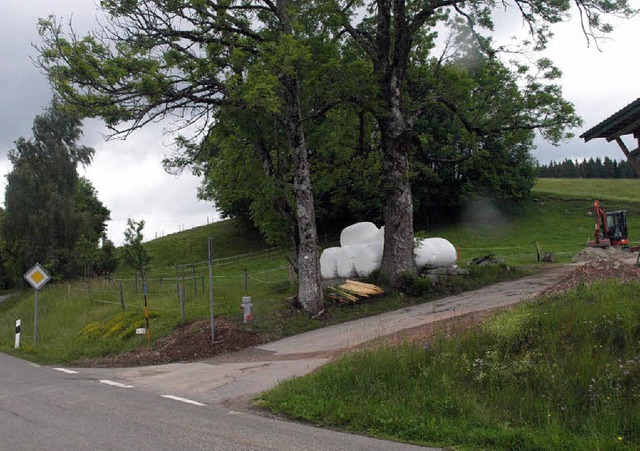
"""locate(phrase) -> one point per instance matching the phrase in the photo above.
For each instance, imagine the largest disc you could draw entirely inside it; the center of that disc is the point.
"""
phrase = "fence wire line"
(160, 309)
(268, 282)
(199, 276)
(204, 264)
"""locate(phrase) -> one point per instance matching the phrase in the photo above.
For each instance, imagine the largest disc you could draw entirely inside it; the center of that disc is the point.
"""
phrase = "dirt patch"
(598, 253)
(189, 342)
(595, 271)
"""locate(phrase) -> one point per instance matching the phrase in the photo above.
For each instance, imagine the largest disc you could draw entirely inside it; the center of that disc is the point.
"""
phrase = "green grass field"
(615, 190)
(83, 319)
(558, 223)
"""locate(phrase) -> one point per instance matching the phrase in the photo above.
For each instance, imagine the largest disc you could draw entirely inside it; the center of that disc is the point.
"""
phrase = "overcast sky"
(128, 174)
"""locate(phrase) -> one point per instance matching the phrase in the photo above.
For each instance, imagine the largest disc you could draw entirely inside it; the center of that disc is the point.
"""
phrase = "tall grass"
(559, 373)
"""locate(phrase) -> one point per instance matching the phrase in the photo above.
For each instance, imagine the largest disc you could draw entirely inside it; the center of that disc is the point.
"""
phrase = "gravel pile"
(594, 271)
(597, 253)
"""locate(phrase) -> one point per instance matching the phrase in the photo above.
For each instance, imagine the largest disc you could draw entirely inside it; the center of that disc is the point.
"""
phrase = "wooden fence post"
(121, 297)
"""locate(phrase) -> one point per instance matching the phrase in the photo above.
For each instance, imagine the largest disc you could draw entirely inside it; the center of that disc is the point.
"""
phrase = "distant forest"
(588, 169)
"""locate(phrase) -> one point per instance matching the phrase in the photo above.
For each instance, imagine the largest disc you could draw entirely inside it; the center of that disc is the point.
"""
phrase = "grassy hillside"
(615, 190)
(557, 218)
(86, 318)
(231, 238)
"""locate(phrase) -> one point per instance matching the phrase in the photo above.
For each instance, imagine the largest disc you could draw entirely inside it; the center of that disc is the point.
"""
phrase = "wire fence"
(182, 292)
(187, 296)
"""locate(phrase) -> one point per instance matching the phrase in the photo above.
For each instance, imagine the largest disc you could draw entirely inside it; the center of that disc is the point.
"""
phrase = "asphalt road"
(44, 408)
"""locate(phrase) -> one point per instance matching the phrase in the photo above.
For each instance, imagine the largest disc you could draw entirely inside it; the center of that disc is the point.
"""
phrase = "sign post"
(37, 278)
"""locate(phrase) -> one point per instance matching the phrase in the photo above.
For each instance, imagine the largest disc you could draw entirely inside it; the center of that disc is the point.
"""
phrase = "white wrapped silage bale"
(368, 259)
(329, 263)
(379, 237)
(346, 267)
(435, 253)
(358, 233)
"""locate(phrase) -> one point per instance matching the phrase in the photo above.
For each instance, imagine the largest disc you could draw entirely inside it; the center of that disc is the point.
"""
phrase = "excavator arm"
(600, 231)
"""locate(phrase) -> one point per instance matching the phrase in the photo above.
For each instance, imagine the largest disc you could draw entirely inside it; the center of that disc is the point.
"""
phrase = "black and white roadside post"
(37, 278)
(18, 325)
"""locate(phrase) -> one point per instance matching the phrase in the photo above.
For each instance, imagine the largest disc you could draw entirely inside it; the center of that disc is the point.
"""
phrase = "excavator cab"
(617, 227)
(611, 228)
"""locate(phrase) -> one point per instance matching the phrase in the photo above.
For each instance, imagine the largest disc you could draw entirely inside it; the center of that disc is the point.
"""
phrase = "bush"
(415, 285)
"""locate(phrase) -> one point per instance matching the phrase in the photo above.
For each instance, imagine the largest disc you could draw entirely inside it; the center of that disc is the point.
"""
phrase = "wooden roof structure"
(624, 122)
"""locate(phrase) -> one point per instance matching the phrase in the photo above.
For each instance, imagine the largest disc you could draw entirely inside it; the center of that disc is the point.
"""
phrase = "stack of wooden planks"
(353, 291)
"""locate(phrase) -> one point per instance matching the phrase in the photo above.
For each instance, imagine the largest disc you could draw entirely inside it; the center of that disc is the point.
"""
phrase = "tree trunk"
(398, 209)
(309, 290)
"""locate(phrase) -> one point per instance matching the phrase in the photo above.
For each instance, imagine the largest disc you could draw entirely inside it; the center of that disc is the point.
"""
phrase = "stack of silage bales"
(361, 248)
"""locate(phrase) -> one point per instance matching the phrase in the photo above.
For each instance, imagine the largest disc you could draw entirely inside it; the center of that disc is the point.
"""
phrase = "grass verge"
(558, 373)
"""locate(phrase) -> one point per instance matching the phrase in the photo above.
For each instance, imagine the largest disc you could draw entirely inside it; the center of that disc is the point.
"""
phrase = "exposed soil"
(597, 253)
(193, 340)
(595, 271)
(189, 342)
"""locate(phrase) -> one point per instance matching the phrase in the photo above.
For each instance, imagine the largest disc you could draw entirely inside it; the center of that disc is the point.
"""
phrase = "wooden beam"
(632, 127)
(632, 161)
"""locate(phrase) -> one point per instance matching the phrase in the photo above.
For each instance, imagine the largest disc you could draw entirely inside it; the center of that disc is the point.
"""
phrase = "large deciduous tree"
(396, 36)
(48, 207)
(188, 59)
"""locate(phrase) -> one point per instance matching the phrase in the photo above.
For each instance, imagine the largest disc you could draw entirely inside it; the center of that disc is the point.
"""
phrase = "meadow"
(86, 318)
(615, 190)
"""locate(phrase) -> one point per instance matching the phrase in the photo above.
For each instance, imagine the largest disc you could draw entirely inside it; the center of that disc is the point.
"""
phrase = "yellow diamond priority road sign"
(37, 276)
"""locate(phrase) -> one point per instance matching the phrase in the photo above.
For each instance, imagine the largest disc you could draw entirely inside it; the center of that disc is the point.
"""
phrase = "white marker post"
(18, 324)
(140, 331)
(36, 277)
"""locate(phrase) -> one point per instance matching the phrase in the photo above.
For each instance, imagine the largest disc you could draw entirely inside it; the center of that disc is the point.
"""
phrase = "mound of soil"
(598, 253)
(188, 342)
(594, 271)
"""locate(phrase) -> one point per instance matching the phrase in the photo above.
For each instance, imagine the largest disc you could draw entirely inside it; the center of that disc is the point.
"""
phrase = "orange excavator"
(611, 228)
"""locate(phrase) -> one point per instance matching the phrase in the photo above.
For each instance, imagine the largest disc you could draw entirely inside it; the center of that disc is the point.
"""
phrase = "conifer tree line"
(587, 169)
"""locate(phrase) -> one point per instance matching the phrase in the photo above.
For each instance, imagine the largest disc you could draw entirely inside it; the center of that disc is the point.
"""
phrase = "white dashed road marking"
(115, 384)
(188, 401)
(64, 370)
